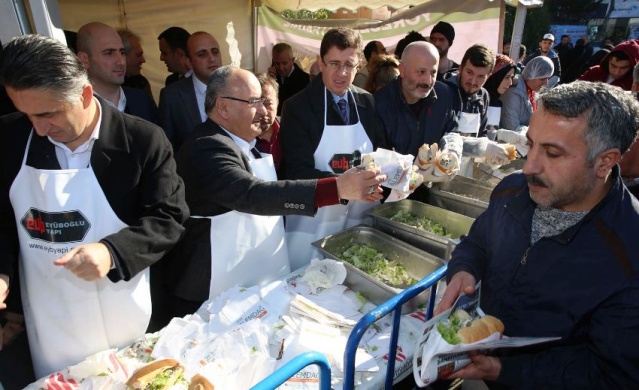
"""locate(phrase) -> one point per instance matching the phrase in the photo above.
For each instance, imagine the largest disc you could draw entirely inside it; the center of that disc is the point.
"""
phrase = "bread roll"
(144, 376)
(198, 382)
(479, 329)
(415, 179)
(426, 155)
(511, 150)
(446, 164)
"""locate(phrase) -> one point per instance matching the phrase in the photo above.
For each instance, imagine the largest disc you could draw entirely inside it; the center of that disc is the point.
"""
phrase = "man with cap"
(546, 50)
(442, 36)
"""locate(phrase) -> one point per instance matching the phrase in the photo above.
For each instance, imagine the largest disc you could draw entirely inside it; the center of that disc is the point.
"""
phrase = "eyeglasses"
(337, 66)
(253, 102)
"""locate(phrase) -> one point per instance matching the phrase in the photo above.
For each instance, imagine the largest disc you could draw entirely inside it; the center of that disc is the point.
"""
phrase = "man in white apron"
(324, 128)
(236, 235)
(95, 200)
(471, 107)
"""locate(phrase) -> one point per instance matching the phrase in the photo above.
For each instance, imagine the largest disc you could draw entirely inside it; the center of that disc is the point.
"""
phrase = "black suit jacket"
(140, 104)
(134, 166)
(302, 126)
(178, 112)
(294, 83)
(218, 179)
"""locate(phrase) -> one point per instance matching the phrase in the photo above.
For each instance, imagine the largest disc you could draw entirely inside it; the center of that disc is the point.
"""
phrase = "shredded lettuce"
(421, 223)
(374, 263)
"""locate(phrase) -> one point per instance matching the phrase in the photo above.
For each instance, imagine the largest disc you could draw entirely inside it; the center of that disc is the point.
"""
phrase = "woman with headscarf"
(519, 102)
(497, 83)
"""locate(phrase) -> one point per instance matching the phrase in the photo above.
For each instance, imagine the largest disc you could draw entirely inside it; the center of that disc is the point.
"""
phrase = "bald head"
(101, 51)
(418, 70)
(234, 101)
(204, 54)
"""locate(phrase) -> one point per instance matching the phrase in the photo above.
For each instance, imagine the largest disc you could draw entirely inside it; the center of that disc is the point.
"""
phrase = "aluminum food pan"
(467, 188)
(455, 224)
(417, 263)
(456, 203)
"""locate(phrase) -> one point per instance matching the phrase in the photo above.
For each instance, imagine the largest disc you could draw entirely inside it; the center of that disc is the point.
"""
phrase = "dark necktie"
(342, 109)
(255, 152)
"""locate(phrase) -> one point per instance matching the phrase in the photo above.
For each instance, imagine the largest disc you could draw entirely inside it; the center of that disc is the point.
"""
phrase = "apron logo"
(64, 227)
(341, 162)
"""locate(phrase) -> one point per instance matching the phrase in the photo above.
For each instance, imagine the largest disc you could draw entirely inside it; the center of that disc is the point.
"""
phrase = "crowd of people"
(113, 207)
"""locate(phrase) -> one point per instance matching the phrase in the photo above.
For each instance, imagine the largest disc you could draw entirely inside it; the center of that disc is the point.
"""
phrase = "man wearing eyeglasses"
(236, 234)
(324, 128)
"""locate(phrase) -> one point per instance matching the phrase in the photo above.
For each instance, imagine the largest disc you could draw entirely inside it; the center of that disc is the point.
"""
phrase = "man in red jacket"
(616, 68)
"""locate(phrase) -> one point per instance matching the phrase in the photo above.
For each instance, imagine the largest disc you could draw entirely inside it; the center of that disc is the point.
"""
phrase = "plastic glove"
(496, 154)
(511, 137)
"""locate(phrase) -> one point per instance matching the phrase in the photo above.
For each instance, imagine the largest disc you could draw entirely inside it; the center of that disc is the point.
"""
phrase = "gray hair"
(39, 62)
(612, 113)
(216, 86)
(540, 67)
(125, 36)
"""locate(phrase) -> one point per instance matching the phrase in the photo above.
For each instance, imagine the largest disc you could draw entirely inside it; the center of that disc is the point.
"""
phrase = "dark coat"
(219, 179)
(581, 285)
(297, 81)
(178, 113)
(140, 104)
(403, 130)
(476, 103)
(302, 126)
(134, 165)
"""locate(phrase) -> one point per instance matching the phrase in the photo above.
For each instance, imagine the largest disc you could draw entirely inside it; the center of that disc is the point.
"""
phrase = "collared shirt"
(200, 93)
(243, 145)
(273, 146)
(81, 156)
(336, 99)
(121, 102)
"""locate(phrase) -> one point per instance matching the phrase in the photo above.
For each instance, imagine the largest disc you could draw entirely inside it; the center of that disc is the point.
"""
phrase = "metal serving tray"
(461, 195)
(417, 263)
(442, 247)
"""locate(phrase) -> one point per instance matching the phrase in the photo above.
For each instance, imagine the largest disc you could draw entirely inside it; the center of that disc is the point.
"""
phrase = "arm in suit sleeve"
(217, 181)
(164, 117)
(158, 200)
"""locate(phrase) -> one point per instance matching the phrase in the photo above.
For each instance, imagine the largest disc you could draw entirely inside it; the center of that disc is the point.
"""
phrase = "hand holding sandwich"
(482, 367)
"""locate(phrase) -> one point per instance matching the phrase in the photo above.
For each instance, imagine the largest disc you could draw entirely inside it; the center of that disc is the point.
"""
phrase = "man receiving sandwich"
(556, 250)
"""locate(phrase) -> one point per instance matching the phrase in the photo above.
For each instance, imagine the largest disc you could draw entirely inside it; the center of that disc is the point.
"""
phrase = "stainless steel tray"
(467, 188)
(417, 263)
(455, 224)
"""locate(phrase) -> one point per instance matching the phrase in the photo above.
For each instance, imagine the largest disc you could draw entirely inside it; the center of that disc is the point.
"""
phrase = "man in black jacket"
(89, 199)
(290, 77)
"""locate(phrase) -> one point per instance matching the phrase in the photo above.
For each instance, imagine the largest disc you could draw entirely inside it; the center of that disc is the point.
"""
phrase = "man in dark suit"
(316, 134)
(232, 189)
(101, 51)
(182, 103)
(172, 44)
(290, 77)
(89, 197)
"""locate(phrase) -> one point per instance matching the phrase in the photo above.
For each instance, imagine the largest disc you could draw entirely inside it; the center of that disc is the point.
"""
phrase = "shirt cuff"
(326, 192)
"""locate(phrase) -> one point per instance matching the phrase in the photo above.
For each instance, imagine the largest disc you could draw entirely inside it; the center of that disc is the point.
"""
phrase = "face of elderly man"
(418, 70)
(241, 118)
(270, 103)
(135, 58)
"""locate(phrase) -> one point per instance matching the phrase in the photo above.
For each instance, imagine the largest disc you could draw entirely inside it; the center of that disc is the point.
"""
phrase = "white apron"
(301, 231)
(67, 318)
(248, 249)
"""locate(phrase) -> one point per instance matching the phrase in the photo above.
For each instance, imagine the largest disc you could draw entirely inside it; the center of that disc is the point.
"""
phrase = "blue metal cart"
(392, 305)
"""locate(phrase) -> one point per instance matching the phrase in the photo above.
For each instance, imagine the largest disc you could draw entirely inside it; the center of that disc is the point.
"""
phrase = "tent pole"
(518, 30)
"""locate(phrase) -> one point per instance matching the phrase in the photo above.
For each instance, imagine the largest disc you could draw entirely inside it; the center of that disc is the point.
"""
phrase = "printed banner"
(625, 9)
(474, 22)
